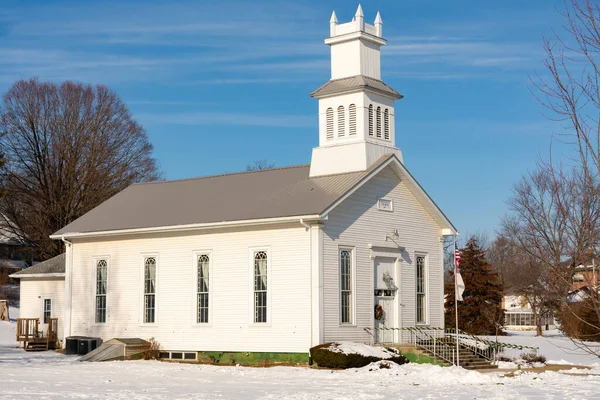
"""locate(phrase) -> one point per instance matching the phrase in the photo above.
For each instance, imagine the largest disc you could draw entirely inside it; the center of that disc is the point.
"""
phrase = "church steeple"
(356, 108)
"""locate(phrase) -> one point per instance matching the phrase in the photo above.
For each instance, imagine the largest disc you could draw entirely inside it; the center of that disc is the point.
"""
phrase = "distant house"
(586, 275)
(11, 241)
(43, 291)
(276, 260)
(518, 315)
(8, 267)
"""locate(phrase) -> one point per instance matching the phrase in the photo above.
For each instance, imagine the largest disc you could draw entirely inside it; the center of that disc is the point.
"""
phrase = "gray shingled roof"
(352, 84)
(55, 265)
(281, 192)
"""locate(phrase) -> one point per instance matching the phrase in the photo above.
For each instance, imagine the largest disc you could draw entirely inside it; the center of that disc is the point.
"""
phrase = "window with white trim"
(386, 124)
(352, 119)
(370, 119)
(329, 122)
(47, 310)
(341, 121)
(101, 290)
(421, 283)
(260, 286)
(346, 286)
(203, 270)
(149, 290)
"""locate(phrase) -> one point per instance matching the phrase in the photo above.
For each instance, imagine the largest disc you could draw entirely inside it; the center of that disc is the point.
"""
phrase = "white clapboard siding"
(356, 222)
(230, 327)
(33, 293)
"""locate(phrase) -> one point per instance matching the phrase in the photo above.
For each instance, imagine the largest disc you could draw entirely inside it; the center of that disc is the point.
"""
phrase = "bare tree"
(570, 90)
(69, 147)
(554, 221)
(258, 165)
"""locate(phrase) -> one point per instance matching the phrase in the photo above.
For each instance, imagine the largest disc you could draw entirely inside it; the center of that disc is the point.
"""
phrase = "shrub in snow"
(352, 355)
(533, 357)
(579, 320)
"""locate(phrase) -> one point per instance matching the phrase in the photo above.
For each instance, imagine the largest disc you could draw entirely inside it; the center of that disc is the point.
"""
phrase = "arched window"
(379, 122)
(203, 288)
(329, 117)
(341, 121)
(346, 287)
(260, 286)
(386, 124)
(352, 119)
(370, 119)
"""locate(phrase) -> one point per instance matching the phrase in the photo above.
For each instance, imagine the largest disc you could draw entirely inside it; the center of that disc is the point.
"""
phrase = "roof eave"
(41, 275)
(395, 95)
(187, 227)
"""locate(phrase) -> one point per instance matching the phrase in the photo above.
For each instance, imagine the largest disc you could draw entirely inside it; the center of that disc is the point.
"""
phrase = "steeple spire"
(360, 18)
(332, 24)
(378, 24)
(359, 12)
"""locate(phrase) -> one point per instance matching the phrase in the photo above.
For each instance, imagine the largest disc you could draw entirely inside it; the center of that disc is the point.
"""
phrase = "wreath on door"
(378, 312)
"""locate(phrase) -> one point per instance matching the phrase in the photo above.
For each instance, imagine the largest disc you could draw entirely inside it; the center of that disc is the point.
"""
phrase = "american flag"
(458, 281)
(456, 258)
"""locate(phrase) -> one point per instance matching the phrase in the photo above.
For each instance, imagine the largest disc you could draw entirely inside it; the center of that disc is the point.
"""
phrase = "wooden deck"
(33, 338)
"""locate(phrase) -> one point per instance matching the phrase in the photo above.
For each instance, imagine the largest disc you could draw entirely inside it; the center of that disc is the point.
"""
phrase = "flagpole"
(456, 303)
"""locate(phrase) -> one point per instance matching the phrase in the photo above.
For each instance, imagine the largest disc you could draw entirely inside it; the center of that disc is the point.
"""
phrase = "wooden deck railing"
(27, 329)
(33, 338)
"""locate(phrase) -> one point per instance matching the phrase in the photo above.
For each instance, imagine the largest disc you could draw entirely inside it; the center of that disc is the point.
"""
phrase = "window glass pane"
(47, 310)
(149, 289)
(203, 282)
(421, 290)
(101, 288)
(346, 286)
(260, 286)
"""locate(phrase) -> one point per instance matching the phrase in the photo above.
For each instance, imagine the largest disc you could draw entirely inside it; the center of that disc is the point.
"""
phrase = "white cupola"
(356, 108)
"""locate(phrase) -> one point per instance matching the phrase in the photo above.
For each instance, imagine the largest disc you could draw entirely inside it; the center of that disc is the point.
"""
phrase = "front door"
(385, 290)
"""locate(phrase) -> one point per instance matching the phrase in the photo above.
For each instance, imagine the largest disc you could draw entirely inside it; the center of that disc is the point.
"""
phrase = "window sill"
(347, 325)
(259, 325)
(201, 325)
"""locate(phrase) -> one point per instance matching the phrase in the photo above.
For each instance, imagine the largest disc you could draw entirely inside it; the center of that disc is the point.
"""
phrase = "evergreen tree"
(480, 312)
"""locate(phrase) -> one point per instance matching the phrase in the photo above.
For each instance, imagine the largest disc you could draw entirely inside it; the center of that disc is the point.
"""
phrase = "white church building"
(275, 260)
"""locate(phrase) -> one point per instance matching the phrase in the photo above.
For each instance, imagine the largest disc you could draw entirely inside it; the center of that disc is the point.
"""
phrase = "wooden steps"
(33, 338)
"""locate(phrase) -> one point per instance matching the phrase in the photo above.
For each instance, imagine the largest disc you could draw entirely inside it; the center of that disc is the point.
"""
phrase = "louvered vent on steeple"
(352, 119)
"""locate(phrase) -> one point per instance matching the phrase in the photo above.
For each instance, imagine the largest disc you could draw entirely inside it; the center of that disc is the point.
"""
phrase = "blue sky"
(220, 84)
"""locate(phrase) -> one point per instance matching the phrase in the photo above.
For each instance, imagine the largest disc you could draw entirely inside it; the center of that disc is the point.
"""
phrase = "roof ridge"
(221, 175)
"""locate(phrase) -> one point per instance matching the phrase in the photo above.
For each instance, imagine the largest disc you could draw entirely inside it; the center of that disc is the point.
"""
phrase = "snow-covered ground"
(556, 347)
(49, 375)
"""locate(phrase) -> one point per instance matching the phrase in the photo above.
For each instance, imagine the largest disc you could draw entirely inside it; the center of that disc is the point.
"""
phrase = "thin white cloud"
(229, 119)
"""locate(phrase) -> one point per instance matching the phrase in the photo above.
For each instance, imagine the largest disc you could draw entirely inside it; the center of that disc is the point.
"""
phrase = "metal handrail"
(434, 342)
(425, 340)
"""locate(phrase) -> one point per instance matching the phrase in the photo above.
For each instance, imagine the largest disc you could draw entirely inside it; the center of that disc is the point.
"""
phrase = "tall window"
(101, 281)
(386, 124)
(352, 119)
(421, 291)
(370, 119)
(47, 310)
(203, 271)
(329, 122)
(149, 290)
(341, 121)
(379, 122)
(260, 286)
(346, 286)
